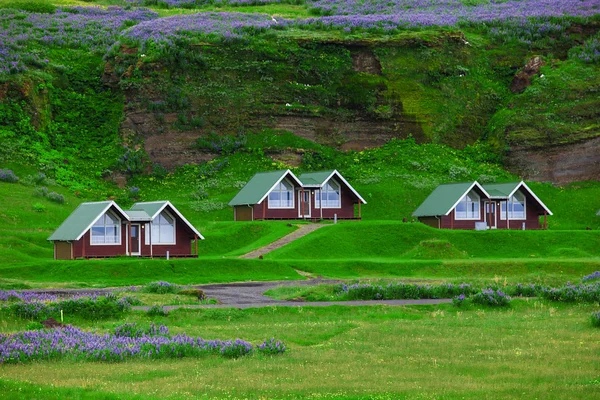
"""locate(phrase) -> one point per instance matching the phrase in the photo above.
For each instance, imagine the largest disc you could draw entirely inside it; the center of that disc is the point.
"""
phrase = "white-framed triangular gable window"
(107, 230)
(517, 207)
(282, 195)
(163, 229)
(468, 207)
(330, 195)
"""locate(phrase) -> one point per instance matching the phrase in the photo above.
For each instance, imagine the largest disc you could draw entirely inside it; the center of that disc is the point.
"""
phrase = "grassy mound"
(434, 249)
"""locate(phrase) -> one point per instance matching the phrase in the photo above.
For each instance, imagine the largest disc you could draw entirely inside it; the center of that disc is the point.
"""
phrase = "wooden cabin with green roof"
(282, 195)
(470, 205)
(102, 229)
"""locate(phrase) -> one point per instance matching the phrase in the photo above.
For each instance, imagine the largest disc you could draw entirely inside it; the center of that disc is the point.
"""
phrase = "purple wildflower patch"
(7, 175)
(90, 28)
(76, 344)
(491, 297)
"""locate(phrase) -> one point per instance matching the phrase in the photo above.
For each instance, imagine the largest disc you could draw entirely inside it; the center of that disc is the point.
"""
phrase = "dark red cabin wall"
(345, 211)
(532, 216)
(449, 222)
(99, 250)
(183, 240)
(532, 221)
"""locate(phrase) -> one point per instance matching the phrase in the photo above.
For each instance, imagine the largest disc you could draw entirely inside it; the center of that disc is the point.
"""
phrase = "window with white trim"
(163, 229)
(516, 207)
(282, 196)
(330, 195)
(468, 207)
(107, 230)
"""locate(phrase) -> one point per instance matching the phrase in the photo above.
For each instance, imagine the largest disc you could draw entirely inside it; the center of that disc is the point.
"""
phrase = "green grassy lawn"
(394, 240)
(126, 272)
(532, 350)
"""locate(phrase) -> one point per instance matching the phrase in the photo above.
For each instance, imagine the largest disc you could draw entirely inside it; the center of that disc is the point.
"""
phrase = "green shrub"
(161, 287)
(56, 197)
(155, 311)
(34, 326)
(596, 319)
(6, 175)
(491, 297)
(198, 293)
(38, 207)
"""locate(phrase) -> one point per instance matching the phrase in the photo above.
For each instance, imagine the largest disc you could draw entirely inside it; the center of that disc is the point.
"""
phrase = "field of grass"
(532, 350)
(394, 240)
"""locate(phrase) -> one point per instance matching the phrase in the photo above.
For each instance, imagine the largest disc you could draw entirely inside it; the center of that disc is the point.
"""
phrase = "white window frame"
(469, 195)
(509, 205)
(150, 226)
(280, 192)
(118, 230)
(318, 195)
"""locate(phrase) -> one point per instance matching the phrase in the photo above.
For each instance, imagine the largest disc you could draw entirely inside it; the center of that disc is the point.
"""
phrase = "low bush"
(38, 207)
(398, 291)
(157, 311)
(92, 308)
(40, 191)
(198, 293)
(161, 287)
(6, 175)
(272, 347)
(520, 290)
(491, 297)
(56, 197)
(73, 343)
(573, 293)
(593, 276)
(596, 319)
(459, 300)
(132, 330)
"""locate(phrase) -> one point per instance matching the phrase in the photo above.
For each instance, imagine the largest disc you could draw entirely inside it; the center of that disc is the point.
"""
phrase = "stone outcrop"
(560, 164)
(523, 78)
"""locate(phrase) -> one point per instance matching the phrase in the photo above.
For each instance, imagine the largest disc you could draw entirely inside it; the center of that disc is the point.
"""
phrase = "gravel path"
(280, 303)
(302, 230)
(250, 295)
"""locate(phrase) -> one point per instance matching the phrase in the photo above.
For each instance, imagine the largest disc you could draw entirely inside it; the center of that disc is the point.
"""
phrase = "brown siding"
(348, 200)
(243, 213)
(63, 251)
(430, 221)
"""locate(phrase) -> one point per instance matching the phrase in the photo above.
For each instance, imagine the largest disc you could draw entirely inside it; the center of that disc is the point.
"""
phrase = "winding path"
(302, 230)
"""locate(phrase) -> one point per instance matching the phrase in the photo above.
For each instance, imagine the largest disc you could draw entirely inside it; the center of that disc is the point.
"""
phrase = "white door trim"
(139, 238)
(300, 203)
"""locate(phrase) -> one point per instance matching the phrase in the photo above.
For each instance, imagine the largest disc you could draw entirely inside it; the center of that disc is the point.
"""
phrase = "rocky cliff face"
(560, 164)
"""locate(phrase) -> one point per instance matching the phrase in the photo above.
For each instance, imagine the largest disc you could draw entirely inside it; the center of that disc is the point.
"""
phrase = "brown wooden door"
(135, 239)
(304, 204)
(490, 215)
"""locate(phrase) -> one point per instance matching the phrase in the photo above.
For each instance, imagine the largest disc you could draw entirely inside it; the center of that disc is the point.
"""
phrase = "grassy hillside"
(377, 240)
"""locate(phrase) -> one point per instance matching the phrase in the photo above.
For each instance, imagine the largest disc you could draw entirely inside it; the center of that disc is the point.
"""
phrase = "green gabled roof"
(150, 208)
(311, 179)
(137, 216)
(443, 199)
(153, 208)
(259, 186)
(501, 189)
(81, 220)
(315, 178)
